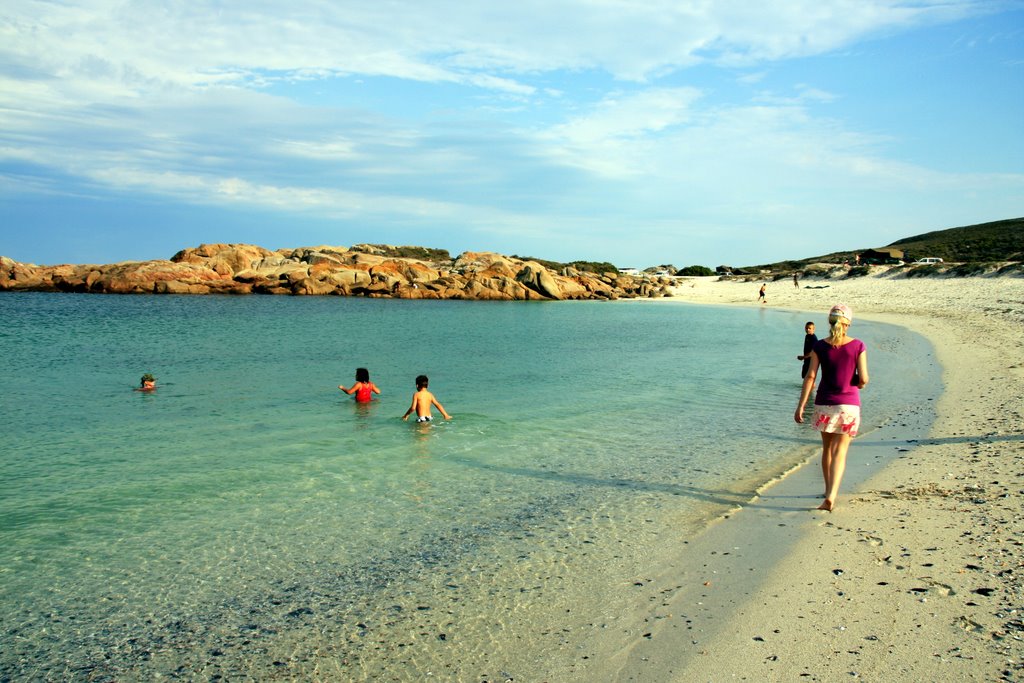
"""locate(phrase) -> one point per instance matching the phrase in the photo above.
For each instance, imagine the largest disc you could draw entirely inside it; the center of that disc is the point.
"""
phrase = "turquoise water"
(249, 520)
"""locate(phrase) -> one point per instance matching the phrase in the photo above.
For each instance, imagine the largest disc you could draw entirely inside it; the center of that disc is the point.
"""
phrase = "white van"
(924, 261)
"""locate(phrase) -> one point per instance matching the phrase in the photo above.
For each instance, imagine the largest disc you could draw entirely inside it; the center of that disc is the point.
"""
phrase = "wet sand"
(917, 575)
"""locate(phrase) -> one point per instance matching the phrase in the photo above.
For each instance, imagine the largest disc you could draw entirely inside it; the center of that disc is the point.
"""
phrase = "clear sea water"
(248, 521)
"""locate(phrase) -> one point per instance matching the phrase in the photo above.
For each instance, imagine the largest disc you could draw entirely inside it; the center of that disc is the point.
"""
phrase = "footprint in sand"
(872, 540)
(969, 625)
(940, 588)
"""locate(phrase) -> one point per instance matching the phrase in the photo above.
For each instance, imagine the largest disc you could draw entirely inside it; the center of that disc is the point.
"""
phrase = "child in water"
(421, 402)
(809, 341)
(363, 388)
(147, 383)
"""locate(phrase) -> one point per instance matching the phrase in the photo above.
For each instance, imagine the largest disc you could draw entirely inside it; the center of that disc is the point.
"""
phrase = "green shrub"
(598, 267)
(421, 253)
(969, 269)
(858, 271)
(594, 266)
(924, 271)
(695, 271)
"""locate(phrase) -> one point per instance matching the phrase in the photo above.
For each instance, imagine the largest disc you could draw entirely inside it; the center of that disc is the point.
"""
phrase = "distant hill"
(995, 241)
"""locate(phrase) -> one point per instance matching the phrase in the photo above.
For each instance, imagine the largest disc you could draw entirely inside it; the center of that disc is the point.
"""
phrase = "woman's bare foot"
(827, 505)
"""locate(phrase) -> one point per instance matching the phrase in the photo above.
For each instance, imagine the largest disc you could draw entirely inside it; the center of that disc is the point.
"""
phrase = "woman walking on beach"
(844, 372)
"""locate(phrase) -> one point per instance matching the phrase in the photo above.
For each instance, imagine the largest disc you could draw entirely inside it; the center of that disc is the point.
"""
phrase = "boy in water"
(147, 383)
(421, 402)
(809, 339)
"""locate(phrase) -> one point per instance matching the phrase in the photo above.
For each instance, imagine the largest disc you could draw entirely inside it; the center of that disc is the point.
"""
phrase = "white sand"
(917, 575)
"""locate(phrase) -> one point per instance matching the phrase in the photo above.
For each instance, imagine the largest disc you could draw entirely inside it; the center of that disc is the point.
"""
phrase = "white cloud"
(331, 148)
(145, 44)
(238, 191)
(495, 117)
(607, 139)
(773, 164)
(804, 94)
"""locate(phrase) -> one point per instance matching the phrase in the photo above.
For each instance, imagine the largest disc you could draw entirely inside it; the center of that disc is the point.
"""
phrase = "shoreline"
(917, 574)
(755, 595)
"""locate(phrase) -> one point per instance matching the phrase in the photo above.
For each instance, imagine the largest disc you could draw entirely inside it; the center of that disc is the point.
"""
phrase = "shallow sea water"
(249, 521)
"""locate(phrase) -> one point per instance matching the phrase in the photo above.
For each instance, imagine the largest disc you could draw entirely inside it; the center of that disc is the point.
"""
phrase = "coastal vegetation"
(421, 253)
(695, 271)
(599, 267)
(996, 242)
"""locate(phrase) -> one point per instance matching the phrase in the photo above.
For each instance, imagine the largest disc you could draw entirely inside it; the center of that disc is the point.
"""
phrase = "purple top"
(838, 365)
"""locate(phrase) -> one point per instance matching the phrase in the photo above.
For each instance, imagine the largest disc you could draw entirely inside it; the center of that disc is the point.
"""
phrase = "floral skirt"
(841, 419)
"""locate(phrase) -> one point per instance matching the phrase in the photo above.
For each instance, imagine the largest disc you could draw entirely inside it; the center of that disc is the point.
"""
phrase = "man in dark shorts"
(809, 339)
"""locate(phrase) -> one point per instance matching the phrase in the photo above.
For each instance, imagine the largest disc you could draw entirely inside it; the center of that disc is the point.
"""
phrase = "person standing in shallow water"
(809, 339)
(421, 402)
(843, 363)
(363, 388)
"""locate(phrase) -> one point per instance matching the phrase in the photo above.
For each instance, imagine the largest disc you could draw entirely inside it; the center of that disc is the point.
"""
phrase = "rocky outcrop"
(363, 270)
(538, 279)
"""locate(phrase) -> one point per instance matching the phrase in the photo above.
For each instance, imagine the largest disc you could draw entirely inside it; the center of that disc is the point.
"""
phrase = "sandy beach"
(916, 576)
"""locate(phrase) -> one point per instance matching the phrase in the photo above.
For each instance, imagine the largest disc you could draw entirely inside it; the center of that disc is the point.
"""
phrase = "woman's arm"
(862, 369)
(805, 390)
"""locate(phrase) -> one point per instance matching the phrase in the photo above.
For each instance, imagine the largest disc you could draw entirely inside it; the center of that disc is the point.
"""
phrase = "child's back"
(421, 402)
(363, 387)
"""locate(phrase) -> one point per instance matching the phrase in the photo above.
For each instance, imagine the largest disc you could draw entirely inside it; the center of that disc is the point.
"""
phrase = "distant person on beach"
(796, 280)
(809, 339)
(844, 372)
(147, 383)
(421, 402)
(761, 296)
(363, 388)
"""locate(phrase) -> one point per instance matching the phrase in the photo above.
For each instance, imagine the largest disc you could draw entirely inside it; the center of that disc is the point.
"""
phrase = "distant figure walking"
(796, 280)
(761, 295)
(363, 388)
(844, 372)
(421, 402)
(809, 339)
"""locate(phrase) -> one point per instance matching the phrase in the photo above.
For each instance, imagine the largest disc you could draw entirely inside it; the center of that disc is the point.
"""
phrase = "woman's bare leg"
(826, 460)
(834, 448)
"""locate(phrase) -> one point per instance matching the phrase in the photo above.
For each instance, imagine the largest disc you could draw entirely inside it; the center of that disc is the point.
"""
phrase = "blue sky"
(640, 132)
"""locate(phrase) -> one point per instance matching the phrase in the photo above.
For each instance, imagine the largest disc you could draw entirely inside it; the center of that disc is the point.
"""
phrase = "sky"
(638, 132)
